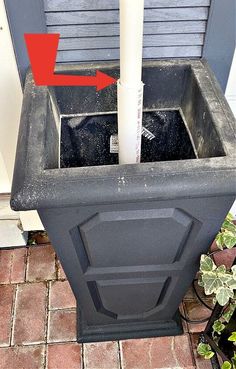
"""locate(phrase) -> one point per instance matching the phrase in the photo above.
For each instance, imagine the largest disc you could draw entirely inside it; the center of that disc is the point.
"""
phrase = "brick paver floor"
(38, 323)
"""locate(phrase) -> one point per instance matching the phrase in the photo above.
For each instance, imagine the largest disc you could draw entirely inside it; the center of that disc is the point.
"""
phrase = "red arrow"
(42, 50)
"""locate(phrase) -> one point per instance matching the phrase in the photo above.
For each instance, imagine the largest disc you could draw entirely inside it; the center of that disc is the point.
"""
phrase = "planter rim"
(35, 187)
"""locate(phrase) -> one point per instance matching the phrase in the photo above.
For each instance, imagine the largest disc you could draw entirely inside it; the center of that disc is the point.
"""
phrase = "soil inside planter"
(86, 140)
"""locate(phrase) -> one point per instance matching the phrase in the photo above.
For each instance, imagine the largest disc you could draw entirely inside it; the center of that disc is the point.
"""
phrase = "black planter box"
(129, 237)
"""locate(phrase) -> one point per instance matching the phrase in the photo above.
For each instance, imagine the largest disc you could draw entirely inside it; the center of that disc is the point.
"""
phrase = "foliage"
(221, 284)
(217, 280)
(227, 236)
(205, 350)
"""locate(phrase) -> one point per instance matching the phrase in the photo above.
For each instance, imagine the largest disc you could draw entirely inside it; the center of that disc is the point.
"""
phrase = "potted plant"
(220, 282)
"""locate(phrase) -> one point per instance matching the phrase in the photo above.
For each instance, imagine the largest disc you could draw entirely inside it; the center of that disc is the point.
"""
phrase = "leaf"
(207, 264)
(211, 283)
(223, 295)
(229, 226)
(230, 217)
(220, 241)
(218, 327)
(205, 350)
(226, 365)
(221, 269)
(232, 338)
(229, 312)
(231, 283)
(234, 271)
(200, 282)
(234, 360)
(229, 240)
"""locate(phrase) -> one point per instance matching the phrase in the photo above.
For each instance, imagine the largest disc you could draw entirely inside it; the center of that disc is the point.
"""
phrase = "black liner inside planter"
(85, 141)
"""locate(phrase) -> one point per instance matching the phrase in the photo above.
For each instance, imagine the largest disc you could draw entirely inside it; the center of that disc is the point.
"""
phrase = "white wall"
(10, 102)
(231, 86)
(10, 108)
(4, 179)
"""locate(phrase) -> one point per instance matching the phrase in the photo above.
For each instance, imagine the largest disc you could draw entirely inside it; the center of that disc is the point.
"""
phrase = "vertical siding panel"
(90, 29)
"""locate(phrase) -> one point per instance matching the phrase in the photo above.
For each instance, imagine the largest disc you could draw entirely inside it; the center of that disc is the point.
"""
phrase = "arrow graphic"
(42, 51)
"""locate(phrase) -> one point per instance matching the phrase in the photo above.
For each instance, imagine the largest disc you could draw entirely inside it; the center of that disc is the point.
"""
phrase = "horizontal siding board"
(64, 5)
(112, 16)
(114, 30)
(113, 42)
(114, 54)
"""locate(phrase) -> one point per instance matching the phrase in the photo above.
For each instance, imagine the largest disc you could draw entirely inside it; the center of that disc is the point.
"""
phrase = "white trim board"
(11, 235)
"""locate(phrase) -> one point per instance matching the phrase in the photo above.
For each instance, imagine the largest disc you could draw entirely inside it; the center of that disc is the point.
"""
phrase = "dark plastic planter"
(129, 237)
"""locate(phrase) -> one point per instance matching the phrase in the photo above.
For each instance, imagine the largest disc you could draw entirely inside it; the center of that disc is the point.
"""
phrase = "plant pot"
(225, 257)
(129, 237)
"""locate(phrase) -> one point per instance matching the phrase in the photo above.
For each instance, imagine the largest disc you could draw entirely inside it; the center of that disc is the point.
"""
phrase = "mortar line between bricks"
(28, 282)
(192, 349)
(45, 357)
(82, 357)
(119, 355)
(27, 264)
(11, 266)
(62, 343)
(55, 266)
(13, 318)
(62, 309)
(47, 313)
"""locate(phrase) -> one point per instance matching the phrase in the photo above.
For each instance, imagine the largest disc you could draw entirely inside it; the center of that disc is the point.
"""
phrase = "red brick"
(201, 363)
(101, 355)
(12, 265)
(41, 264)
(64, 356)
(30, 319)
(22, 357)
(6, 305)
(18, 265)
(157, 353)
(62, 326)
(5, 265)
(61, 273)
(61, 296)
(196, 311)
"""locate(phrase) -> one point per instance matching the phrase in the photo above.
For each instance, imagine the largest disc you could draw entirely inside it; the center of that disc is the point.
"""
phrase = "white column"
(130, 86)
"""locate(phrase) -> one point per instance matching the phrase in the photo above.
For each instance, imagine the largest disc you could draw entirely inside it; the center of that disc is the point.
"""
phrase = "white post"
(130, 86)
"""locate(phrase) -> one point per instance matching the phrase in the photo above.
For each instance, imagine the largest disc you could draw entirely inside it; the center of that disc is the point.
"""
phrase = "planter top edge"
(36, 188)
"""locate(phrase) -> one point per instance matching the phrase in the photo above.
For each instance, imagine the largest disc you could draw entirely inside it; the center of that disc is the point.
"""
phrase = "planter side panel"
(133, 262)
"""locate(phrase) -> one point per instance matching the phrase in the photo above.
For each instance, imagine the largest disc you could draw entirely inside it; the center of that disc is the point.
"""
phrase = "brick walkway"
(38, 323)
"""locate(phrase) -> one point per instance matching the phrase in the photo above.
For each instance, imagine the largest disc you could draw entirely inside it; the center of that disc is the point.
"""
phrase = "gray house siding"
(89, 30)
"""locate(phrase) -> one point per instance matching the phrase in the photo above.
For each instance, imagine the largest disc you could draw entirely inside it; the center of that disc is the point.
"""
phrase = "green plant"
(221, 284)
(227, 236)
(217, 280)
(204, 349)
